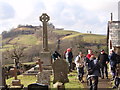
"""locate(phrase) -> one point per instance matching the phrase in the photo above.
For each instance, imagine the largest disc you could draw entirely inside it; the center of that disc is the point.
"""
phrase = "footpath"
(103, 84)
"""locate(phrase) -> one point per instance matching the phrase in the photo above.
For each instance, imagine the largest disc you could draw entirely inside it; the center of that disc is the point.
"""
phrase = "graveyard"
(42, 70)
(27, 60)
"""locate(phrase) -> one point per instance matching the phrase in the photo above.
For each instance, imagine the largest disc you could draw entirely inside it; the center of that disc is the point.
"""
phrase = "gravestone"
(37, 86)
(43, 77)
(60, 70)
(16, 83)
(45, 55)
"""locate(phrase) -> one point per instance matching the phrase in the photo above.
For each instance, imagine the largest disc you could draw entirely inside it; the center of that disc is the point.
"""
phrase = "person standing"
(87, 58)
(93, 72)
(113, 62)
(89, 53)
(69, 57)
(79, 61)
(103, 58)
(56, 55)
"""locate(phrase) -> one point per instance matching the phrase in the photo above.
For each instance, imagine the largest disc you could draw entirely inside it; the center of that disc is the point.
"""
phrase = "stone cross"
(44, 18)
(43, 77)
(40, 64)
(15, 73)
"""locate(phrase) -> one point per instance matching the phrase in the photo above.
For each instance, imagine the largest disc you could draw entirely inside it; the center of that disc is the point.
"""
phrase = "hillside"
(29, 40)
(33, 42)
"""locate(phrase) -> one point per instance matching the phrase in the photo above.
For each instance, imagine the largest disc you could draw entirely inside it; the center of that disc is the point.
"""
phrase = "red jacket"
(89, 55)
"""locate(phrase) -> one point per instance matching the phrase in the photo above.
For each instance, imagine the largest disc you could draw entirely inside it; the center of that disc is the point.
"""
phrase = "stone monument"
(60, 70)
(45, 54)
(16, 83)
(43, 77)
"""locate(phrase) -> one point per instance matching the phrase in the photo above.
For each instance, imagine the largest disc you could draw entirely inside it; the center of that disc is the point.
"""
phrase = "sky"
(77, 15)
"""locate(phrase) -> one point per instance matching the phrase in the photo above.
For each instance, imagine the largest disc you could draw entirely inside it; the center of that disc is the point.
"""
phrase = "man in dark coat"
(93, 72)
(113, 62)
(56, 55)
(103, 58)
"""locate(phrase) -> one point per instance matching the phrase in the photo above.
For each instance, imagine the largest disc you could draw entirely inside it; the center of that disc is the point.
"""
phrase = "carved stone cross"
(44, 18)
(40, 64)
(15, 73)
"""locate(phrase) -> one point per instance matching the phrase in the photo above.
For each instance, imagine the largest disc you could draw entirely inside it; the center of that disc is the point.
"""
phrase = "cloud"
(6, 11)
(80, 15)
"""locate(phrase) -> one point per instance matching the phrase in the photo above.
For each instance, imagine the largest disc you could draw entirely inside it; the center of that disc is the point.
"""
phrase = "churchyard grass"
(26, 80)
(73, 81)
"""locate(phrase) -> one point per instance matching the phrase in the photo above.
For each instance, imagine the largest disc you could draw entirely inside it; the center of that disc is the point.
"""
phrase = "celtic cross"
(44, 18)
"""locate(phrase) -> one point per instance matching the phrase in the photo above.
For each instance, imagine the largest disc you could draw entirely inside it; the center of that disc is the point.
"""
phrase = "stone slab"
(46, 58)
(43, 77)
(60, 70)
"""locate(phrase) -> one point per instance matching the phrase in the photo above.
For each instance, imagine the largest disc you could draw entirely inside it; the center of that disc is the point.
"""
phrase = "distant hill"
(68, 38)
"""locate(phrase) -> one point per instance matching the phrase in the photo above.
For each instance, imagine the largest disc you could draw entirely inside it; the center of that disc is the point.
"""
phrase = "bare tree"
(15, 54)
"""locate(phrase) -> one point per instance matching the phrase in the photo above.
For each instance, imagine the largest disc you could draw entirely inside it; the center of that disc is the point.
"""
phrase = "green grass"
(29, 63)
(73, 82)
(70, 37)
(89, 38)
(26, 80)
(30, 40)
(63, 32)
(25, 40)
(92, 38)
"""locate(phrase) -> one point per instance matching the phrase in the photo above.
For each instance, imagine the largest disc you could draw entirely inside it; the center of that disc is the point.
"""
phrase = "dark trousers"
(94, 83)
(113, 70)
(80, 71)
(104, 69)
(117, 81)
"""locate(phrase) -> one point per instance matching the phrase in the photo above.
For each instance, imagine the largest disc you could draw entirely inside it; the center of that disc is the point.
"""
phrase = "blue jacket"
(113, 60)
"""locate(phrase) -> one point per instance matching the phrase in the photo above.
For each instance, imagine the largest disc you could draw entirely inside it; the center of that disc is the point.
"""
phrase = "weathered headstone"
(37, 86)
(16, 81)
(60, 70)
(43, 77)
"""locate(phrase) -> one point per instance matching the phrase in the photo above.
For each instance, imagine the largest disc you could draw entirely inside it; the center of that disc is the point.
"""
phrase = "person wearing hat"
(103, 58)
(69, 57)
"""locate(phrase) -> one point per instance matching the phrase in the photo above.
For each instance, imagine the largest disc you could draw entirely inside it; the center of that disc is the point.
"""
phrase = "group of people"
(94, 66)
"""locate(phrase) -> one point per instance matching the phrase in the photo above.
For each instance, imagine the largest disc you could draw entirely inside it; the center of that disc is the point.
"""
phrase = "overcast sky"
(78, 15)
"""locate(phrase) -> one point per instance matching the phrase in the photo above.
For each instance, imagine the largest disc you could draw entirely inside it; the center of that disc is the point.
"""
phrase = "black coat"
(94, 67)
(103, 58)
